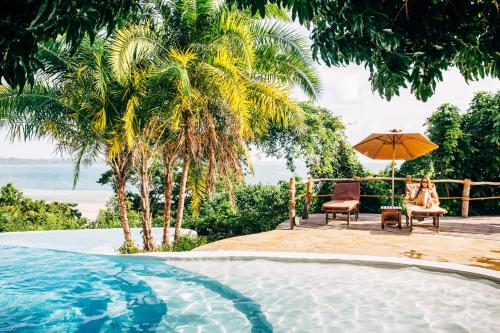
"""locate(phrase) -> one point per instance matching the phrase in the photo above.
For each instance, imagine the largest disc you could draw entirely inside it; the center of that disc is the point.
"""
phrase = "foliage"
(184, 243)
(195, 78)
(18, 213)
(417, 168)
(443, 126)
(129, 248)
(468, 149)
(321, 143)
(24, 24)
(258, 208)
(109, 217)
(402, 43)
(155, 195)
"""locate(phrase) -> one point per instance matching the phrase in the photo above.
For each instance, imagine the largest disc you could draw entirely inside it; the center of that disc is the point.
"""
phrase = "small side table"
(390, 215)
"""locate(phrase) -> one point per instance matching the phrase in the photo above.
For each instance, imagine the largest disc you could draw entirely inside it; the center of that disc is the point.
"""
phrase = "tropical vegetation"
(174, 99)
(402, 43)
(194, 84)
(24, 24)
(469, 146)
(19, 213)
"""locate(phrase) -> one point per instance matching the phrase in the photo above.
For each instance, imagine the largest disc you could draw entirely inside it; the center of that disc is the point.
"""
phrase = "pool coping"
(364, 260)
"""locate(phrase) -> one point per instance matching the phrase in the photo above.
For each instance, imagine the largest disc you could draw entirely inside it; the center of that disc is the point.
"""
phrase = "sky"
(346, 91)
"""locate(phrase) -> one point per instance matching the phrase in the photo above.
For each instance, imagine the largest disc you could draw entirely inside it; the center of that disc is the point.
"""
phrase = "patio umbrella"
(395, 145)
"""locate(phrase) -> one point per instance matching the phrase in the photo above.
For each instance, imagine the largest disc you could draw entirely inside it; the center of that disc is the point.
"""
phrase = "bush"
(129, 248)
(184, 243)
(258, 208)
(18, 213)
(110, 216)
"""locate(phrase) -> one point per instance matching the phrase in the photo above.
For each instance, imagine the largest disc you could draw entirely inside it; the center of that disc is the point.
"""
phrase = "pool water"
(55, 291)
(49, 291)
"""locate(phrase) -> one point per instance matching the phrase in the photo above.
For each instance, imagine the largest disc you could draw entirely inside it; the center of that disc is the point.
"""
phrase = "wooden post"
(307, 206)
(465, 198)
(408, 179)
(291, 203)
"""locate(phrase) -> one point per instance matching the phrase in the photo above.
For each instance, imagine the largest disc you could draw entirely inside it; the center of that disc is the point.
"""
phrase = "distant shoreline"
(16, 160)
(373, 166)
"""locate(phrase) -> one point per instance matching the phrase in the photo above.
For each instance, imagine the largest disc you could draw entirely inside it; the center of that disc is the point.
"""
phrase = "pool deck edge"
(380, 261)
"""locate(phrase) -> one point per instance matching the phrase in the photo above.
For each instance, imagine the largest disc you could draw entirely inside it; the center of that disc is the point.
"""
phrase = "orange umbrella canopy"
(395, 145)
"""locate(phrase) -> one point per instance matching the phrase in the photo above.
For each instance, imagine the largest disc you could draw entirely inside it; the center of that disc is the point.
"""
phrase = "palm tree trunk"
(119, 166)
(168, 160)
(232, 200)
(147, 234)
(182, 197)
(122, 206)
(211, 172)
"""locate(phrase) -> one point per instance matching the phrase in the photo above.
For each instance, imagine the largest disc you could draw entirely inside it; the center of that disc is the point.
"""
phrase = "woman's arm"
(434, 194)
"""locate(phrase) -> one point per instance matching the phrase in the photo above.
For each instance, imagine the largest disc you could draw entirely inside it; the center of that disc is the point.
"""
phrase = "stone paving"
(472, 241)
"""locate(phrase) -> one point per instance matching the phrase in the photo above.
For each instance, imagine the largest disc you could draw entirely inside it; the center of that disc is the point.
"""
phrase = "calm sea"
(52, 180)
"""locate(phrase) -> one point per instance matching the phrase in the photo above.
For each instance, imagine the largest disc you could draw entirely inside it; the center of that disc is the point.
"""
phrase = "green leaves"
(252, 215)
(469, 146)
(24, 24)
(402, 43)
(320, 143)
(18, 213)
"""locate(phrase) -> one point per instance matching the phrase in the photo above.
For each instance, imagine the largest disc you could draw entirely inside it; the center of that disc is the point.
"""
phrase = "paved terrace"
(472, 241)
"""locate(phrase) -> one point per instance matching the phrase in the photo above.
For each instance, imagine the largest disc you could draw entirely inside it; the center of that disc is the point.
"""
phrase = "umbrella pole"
(393, 157)
(392, 197)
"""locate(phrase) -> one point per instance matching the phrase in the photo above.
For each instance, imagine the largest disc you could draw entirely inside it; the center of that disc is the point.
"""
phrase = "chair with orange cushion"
(345, 199)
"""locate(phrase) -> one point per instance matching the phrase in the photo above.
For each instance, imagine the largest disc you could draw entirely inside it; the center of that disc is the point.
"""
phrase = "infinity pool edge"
(365, 260)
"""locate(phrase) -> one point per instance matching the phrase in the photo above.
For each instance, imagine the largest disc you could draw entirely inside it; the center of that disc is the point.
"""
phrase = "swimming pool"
(55, 291)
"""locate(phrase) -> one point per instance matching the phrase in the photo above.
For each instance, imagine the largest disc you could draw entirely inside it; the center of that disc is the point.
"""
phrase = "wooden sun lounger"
(345, 199)
(415, 211)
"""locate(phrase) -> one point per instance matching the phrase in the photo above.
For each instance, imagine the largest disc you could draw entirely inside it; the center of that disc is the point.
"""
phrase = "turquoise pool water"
(49, 291)
(56, 291)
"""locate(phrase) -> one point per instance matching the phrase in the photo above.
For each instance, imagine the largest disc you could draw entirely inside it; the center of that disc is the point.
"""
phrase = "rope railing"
(309, 195)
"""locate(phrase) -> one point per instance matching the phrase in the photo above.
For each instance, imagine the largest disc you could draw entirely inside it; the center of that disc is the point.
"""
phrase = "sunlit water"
(49, 291)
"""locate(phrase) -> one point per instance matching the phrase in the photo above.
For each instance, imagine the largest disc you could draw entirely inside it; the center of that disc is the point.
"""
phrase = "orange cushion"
(346, 191)
(340, 204)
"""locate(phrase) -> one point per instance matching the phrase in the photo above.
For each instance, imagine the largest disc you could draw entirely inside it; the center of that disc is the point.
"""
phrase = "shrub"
(18, 213)
(258, 208)
(110, 216)
(129, 248)
(184, 243)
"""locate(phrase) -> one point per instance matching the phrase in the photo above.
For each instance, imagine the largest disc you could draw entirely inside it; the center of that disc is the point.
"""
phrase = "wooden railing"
(309, 195)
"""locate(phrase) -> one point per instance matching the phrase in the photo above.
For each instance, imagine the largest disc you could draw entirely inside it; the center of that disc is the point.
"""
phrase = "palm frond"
(129, 120)
(279, 44)
(197, 188)
(131, 46)
(273, 105)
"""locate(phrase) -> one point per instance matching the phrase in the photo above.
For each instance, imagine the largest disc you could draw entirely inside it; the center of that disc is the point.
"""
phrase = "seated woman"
(426, 195)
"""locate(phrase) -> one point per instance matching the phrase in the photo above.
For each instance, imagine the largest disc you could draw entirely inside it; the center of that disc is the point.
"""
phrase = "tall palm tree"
(217, 78)
(230, 77)
(88, 109)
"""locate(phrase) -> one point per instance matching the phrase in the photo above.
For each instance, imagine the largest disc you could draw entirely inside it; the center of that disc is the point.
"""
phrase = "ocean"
(52, 180)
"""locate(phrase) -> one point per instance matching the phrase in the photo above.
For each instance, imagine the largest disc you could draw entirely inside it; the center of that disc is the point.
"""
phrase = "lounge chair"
(415, 211)
(345, 199)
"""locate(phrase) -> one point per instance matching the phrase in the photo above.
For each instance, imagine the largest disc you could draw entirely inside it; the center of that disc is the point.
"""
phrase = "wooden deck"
(472, 241)
(480, 227)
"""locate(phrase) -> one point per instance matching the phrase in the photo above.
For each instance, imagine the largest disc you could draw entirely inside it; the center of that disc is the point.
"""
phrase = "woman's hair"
(428, 182)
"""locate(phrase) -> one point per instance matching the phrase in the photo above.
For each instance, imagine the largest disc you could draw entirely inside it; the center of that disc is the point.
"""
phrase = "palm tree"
(86, 110)
(230, 77)
(211, 82)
